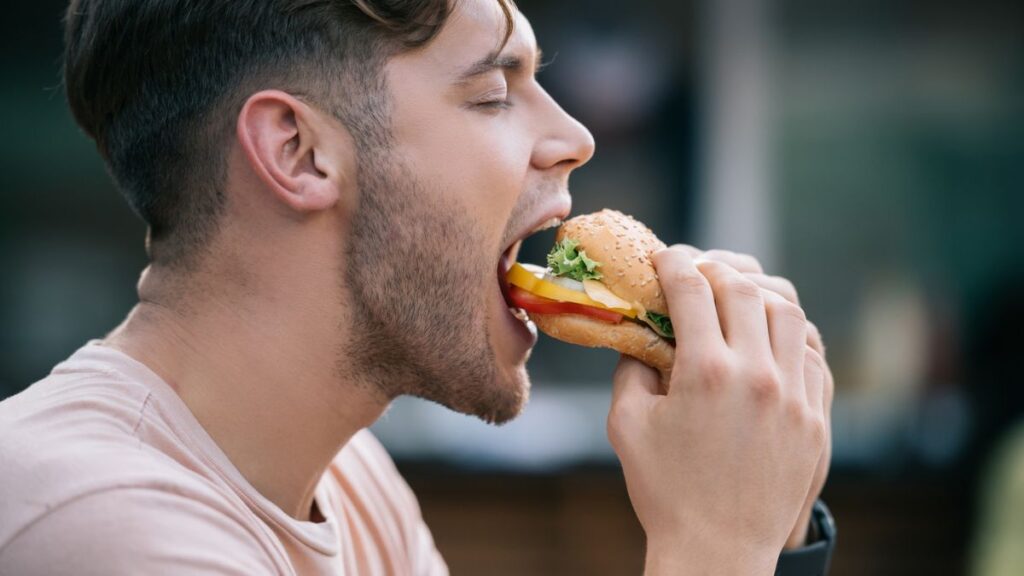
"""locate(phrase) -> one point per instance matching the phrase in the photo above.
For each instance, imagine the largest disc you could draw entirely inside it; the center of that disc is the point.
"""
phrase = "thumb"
(634, 386)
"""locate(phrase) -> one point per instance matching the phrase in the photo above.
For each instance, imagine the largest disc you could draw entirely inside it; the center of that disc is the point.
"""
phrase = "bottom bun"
(627, 337)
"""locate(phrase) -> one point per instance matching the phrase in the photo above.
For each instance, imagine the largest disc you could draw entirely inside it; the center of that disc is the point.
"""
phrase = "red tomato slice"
(533, 303)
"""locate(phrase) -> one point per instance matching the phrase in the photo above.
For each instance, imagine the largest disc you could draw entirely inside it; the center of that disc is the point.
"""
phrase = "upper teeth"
(552, 223)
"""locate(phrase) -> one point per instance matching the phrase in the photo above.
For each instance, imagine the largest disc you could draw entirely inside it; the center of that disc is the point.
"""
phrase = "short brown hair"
(158, 85)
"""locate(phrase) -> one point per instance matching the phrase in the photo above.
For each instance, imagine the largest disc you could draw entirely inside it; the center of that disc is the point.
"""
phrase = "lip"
(558, 209)
(523, 329)
(555, 210)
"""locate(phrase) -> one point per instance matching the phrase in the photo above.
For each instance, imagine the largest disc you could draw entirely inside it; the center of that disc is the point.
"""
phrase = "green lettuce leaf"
(664, 323)
(565, 260)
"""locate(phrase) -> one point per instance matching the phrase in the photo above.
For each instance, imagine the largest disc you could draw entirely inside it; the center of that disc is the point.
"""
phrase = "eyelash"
(504, 104)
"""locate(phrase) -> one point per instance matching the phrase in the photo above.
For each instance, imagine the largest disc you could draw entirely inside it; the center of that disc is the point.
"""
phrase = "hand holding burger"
(722, 468)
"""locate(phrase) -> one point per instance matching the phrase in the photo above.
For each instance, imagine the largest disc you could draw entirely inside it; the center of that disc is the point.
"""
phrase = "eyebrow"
(494, 61)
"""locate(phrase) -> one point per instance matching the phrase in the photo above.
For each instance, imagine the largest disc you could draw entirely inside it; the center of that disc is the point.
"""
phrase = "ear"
(294, 150)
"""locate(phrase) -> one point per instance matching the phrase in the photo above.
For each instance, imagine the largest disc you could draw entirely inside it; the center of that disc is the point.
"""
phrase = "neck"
(266, 381)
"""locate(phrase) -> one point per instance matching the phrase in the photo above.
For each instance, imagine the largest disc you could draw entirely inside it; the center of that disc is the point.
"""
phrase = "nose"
(565, 142)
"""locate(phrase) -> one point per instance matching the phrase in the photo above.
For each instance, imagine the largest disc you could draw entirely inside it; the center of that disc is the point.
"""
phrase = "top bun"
(623, 247)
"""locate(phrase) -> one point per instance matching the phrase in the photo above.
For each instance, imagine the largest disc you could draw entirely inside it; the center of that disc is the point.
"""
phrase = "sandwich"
(600, 289)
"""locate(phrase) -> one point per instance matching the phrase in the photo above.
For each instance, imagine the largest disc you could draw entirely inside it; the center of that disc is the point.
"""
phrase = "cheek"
(477, 161)
(495, 171)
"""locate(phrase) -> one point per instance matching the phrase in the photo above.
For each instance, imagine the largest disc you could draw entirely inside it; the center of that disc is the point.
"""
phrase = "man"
(329, 186)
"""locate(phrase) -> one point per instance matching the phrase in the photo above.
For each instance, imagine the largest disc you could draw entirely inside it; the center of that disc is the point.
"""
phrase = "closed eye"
(495, 100)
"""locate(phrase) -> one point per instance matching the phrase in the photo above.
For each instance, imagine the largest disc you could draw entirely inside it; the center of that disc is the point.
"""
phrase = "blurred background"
(871, 151)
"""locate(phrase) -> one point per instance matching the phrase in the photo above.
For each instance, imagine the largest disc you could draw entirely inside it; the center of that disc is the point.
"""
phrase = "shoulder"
(64, 437)
(70, 449)
(136, 530)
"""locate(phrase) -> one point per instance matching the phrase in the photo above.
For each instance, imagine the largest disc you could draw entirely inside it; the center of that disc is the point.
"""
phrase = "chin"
(489, 381)
(502, 397)
(516, 390)
(511, 343)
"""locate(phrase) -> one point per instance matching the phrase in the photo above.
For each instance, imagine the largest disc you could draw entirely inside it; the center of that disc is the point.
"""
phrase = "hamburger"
(600, 289)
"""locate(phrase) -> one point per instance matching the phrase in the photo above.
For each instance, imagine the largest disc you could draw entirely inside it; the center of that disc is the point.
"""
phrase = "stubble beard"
(417, 274)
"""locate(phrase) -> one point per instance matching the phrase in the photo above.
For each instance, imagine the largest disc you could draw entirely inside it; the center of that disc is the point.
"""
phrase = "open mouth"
(508, 257)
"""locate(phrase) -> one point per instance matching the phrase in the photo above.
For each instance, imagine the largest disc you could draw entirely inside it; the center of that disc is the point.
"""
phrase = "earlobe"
(289, 151)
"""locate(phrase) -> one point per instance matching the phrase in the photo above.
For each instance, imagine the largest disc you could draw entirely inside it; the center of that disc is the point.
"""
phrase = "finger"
(633, 379)
(691, 302)
(828, 392)
(776, 284)
(742, 262)
(814, 339)
(634, 388)
(786, 290)
(693, 251)
(814, 378)
(740, 305)
(787, 328)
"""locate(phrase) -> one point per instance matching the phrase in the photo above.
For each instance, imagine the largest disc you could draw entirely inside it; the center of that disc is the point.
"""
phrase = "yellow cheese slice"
(533, 281)
(599, 292)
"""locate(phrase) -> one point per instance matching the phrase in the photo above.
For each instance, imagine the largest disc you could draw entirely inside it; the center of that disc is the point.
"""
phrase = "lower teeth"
(520, 314)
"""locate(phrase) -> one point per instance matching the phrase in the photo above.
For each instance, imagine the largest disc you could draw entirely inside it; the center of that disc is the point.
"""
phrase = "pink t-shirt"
(104, 470)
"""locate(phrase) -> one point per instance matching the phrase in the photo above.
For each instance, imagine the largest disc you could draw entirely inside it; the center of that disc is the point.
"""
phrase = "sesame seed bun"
(623, 246)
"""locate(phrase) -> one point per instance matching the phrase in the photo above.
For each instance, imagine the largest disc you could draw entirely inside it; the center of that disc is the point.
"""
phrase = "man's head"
(414, 133)
(157, 84)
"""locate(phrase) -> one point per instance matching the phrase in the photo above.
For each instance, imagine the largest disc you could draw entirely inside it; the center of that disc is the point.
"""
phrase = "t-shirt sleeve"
(135, 531)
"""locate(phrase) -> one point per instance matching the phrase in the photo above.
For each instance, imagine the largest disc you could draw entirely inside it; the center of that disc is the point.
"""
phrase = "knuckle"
(813, 328)
(691, 251)
(828, 385)
(785, 284)
(814, 336)
(687, 282)
(668, 258)
(771, 297)
(765, 385)
(813, 360)
(712, 268)
(679, 251)
(713, 373)
(785, 308)
(818, 430)
(750, 263)
(753, 262)
(744, 262)
(742, 286)
(719, 255)
(796, 412)
(787, 288)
